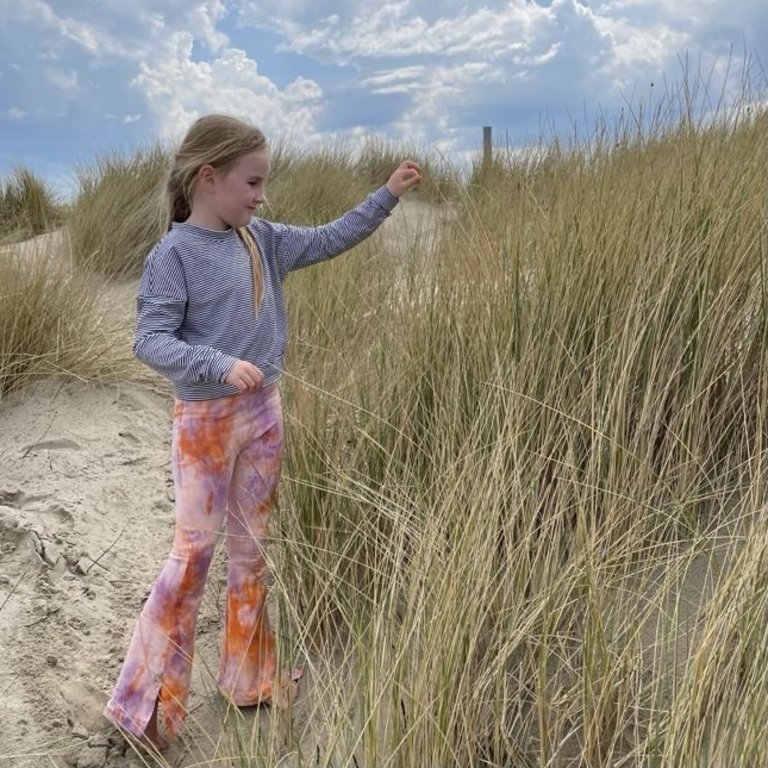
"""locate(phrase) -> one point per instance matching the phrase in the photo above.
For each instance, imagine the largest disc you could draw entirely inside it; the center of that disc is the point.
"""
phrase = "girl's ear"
(205, 175)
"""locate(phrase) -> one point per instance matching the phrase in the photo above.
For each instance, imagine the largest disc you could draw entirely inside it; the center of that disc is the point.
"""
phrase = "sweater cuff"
(385, 199)
(221, 366)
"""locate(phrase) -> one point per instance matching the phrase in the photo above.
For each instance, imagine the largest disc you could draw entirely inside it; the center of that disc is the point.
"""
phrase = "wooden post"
(487, 145)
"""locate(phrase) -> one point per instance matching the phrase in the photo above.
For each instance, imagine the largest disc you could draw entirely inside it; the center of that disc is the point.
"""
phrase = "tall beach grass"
(54, 321)
(119, 211)
(28, 206)
(522, 523)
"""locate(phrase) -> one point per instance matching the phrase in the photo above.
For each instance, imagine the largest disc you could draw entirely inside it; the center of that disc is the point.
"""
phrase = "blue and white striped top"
(195, 315)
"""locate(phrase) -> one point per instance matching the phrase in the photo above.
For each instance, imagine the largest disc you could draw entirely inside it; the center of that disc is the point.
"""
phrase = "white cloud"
(179, 89)
(453, 70)
(453, 66)
(401, 80)
(121, 30)
(203, 20)
(449, 59)
(155, 46)
(93, 38)
(15, 113)
(392, 30)
(302, 90)
(64, 80)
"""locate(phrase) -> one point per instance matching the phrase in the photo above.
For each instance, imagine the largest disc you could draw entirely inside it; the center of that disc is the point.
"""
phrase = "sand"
(85, 523)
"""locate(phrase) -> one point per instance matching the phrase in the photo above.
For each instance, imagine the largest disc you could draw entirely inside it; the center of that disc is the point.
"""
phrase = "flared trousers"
(227, 455)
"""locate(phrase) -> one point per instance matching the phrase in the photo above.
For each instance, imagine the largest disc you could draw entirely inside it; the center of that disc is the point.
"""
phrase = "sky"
(80, 78)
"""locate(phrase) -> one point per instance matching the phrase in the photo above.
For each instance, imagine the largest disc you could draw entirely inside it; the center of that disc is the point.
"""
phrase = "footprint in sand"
(31, 519)
(11, 498)
(63, 444)
(34, 508)
(135, 399)
(84, 704)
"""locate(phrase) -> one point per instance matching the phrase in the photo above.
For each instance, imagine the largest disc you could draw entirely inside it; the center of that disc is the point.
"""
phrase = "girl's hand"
(245, 376)
(406, 176)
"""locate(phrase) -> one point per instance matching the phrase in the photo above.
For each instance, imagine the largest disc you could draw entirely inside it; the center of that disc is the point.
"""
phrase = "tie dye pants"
(226, 463)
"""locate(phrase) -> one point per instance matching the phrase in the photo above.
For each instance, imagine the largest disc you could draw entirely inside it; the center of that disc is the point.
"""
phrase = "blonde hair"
(218, 141)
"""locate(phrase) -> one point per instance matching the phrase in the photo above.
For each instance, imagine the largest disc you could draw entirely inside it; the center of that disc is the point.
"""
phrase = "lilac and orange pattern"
(227, 456)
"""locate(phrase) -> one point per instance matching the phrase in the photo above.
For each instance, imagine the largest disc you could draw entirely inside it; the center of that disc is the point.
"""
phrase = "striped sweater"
(195, 315)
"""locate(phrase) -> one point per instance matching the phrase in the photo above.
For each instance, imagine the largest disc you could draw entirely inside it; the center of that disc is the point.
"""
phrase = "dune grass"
(316, 186)
(28, 207)
(119, 212)
(312, 187)
(521, 523)
(54, 322)
(521, 518)
(377, 157)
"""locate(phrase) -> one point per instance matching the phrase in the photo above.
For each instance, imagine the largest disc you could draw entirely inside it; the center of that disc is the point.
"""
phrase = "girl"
(211, 318)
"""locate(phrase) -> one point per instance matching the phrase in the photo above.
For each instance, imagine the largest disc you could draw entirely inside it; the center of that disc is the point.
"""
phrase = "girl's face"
(239, 190)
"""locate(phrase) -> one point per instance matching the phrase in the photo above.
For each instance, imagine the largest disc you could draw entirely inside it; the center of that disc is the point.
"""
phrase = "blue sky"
(83, 77)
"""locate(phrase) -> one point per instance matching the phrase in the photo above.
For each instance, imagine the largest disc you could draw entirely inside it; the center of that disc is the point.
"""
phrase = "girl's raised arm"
(302, 246)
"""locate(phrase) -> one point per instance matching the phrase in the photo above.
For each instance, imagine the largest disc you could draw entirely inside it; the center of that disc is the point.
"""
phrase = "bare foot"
(152, 733)
(151, 741)
(288, 689)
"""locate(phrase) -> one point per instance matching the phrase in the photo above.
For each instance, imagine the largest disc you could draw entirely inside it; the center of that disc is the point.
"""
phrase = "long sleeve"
(302, 246)
(161, 308)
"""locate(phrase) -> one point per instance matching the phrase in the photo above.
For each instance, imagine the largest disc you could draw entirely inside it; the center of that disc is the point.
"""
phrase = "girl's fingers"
(406, 176)
(412, 178)
(245, 376)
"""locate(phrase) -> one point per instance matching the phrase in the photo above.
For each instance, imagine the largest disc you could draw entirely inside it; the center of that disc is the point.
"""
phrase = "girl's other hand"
(406, 176)
(245, 376)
